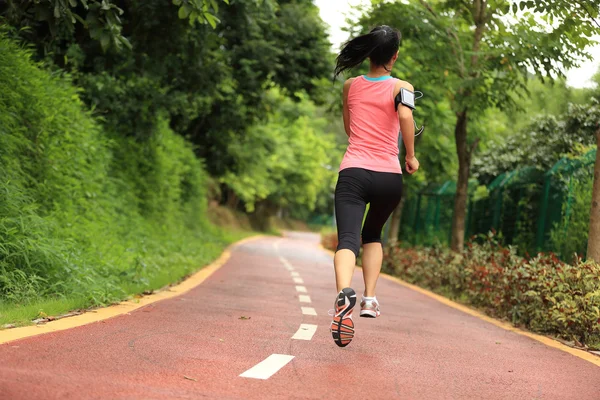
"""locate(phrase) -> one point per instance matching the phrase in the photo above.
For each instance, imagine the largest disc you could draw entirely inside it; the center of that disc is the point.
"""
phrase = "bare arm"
(407, 127)
(346, 110)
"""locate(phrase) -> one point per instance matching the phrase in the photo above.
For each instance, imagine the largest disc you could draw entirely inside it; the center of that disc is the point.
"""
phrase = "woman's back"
(370, 172)
(374, 125)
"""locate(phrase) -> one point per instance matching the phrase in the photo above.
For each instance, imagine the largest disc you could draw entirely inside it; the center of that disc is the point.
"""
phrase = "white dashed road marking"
(269, 366)
(305, 332)
(304, 298)
(286, 264)
(308, 311)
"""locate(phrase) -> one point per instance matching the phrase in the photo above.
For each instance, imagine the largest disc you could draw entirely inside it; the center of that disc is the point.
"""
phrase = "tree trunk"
(462, 185)
(593, 250)
(262, 217)
(395, 223)
(232, 200)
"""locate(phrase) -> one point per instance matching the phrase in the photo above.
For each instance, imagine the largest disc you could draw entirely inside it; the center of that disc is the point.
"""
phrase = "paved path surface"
(418, 349)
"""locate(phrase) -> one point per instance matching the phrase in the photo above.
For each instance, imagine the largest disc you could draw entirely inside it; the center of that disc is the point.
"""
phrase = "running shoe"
(369, 308)
(342, 326)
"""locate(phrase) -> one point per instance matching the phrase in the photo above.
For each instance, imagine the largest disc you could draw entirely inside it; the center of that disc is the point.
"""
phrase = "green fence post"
(429, 218)
(498, 209)
(436, 221)
(569, 204)
(543, 211)
(416, 223)
(517, 214)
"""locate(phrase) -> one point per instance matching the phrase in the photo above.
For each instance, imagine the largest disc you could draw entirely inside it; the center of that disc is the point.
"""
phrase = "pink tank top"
(374, 126)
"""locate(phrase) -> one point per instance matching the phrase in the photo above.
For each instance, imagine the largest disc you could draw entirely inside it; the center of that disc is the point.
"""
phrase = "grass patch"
(23, 314)
(172, 269)
(88, 215)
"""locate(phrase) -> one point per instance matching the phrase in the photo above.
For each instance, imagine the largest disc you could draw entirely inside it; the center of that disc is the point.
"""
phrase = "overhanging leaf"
(212, 20)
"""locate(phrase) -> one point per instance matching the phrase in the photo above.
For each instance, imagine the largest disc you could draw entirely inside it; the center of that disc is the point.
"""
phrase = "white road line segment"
(304, 298)
(268, 367)
(305, 332)
(286, 264)
(308, 311)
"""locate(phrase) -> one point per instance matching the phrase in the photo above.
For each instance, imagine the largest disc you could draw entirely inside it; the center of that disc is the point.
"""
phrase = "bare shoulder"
(348, 83)
(347, 87)
(400, 84)
(403, 84)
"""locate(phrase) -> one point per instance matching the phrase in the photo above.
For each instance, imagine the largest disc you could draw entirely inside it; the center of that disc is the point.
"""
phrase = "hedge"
(542, 294)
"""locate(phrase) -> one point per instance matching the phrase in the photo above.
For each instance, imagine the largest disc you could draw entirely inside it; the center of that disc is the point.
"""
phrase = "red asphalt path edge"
(418, 349)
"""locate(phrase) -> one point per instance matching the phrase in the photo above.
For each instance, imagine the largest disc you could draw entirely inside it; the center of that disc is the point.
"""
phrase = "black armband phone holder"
(407, 98)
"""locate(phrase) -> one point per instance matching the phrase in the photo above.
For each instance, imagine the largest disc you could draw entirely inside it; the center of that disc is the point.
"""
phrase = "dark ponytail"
(380, 45)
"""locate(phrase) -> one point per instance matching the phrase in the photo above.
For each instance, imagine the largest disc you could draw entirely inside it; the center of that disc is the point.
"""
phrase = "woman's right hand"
(412, 165)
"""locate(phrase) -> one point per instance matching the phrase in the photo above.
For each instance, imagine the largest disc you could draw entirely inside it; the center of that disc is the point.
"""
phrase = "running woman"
(370, 172)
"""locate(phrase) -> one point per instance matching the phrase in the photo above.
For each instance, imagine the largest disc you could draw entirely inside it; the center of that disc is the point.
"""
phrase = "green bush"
(85, 213)
(283, 162)
(542, 294)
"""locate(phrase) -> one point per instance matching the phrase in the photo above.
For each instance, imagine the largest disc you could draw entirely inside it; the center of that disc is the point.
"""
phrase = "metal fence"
(527, 207)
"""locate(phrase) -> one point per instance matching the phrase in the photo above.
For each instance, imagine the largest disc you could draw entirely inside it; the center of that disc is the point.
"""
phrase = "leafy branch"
(584, 5)
(202, 11)
(101, 18)
(456, 48)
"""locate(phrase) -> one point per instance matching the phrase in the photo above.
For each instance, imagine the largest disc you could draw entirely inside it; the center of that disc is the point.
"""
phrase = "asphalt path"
(258, 329)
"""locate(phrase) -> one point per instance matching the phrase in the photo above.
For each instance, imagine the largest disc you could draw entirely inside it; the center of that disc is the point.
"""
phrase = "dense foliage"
(139, 110)
(542, 293)
(526, 163)
(542, 143)
(53, 21)
(210, 82)
(478, 55)
(291, 160)
(569, 235)
(120, 118)
(85, 213)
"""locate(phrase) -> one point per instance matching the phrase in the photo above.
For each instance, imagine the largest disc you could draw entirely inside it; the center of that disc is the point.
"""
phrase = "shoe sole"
(368, 314)
(342, 328)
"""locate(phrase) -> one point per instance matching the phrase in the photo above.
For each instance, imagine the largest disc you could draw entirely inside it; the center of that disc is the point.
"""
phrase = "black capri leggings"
(355, 188)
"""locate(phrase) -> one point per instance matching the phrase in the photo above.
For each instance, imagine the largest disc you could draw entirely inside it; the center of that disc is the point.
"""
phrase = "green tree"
(283, 162)
(304, 59)
(59, 20)
(480, 52)
(262, 45)
(541, 143)
(593, 250)
(211, 84)
(545, 98)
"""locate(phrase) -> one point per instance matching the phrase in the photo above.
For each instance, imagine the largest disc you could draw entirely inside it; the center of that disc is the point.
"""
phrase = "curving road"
(250, 332)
